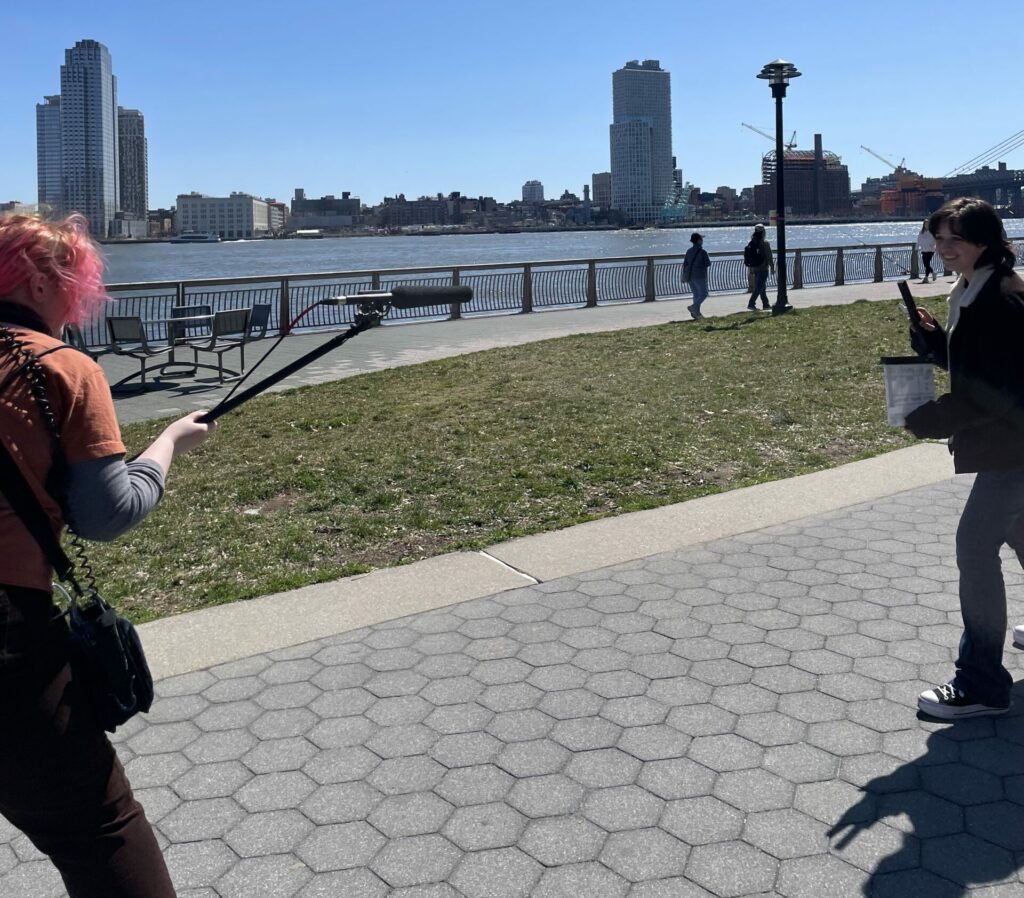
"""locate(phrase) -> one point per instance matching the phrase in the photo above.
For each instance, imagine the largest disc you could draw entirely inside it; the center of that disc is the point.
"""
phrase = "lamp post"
(778, 75)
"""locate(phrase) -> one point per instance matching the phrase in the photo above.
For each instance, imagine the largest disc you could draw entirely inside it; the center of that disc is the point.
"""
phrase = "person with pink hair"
(61, 782)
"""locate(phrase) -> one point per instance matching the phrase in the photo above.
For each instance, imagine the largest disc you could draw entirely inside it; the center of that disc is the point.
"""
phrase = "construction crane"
(789, 145)
(883, 159)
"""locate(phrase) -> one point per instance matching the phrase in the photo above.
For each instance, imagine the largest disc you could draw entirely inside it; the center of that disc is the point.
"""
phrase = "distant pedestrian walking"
(926, 246)
(757, 256)
(695, 273)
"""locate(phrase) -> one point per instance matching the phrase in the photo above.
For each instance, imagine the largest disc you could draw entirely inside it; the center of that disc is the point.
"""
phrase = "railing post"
(798, 269)
(527, 288)
(914, 267)
(375, 281)
(878, 265)
(456, 312)
(284, 306)
(591, 284)
(840, 268)
(649, 281)
(179, 294)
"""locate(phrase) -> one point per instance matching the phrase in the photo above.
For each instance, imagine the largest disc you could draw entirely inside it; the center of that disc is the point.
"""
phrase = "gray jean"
(993, 515)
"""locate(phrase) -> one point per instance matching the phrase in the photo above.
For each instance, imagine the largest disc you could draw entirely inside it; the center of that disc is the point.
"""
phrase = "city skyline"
(420, 100)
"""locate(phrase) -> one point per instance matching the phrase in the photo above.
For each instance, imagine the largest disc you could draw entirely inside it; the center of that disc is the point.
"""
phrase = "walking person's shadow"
(959, 807)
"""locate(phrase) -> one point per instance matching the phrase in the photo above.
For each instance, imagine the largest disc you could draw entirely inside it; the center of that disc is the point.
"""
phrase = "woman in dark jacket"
(982, 415)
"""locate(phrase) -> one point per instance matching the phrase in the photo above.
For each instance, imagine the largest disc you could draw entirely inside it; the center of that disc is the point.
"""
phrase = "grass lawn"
(394, 466)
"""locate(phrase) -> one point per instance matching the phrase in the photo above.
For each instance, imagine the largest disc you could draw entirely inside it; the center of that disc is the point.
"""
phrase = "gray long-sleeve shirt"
(106, 497)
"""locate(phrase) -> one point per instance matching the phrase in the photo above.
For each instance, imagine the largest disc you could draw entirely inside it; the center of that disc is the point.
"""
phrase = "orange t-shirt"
(79, 396)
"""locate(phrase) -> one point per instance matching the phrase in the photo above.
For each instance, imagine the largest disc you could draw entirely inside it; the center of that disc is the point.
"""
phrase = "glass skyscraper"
(88, 125)
(133, 162)
(48, 156)
(641, 140)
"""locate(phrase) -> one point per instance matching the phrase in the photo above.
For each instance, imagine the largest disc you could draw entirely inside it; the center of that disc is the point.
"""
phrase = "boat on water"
(195, 237)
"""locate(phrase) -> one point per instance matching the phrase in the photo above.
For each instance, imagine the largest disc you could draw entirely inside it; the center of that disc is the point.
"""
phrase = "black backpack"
(753, 254)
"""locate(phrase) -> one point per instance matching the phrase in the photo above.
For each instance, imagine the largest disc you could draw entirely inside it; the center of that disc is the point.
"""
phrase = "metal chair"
(73, 336)
(227, 332)
(128, 338)
(259, 320)
(189, 331)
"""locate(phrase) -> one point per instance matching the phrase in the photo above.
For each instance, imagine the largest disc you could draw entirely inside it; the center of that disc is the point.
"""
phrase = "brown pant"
(60, 781)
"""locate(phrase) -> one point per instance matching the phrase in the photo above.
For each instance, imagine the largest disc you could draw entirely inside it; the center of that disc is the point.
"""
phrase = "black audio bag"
(107, 660)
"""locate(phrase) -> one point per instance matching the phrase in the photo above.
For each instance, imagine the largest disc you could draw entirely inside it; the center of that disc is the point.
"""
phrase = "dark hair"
(694, 237)
(977, 222)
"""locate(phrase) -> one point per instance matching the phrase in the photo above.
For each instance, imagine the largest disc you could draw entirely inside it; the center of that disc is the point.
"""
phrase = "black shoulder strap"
(19, 495)
(16, 490)
(25, 364)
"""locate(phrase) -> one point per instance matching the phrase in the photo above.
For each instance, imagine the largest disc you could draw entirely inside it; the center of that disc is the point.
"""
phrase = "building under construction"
(816, 182)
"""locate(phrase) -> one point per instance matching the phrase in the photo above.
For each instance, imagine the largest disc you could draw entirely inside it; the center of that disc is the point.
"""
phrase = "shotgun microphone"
(414, 297)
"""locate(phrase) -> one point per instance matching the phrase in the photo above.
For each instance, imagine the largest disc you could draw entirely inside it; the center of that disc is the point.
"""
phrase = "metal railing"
(505, 288)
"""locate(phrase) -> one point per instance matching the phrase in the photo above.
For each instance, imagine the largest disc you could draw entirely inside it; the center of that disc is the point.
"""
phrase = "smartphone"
(908, 301)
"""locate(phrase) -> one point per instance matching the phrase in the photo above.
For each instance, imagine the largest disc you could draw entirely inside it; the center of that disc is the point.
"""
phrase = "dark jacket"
(696, 263)
(983, 412)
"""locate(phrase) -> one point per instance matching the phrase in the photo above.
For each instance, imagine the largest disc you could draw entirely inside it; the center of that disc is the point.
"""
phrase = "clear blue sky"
(418, 97)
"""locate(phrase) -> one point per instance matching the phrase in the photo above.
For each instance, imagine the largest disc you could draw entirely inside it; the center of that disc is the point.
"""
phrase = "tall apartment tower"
(133, 164)
(48, 166)
(641, 140)
(88, 124)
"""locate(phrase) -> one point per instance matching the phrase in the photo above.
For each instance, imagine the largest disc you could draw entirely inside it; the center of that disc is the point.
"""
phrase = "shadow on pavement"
(958, 808)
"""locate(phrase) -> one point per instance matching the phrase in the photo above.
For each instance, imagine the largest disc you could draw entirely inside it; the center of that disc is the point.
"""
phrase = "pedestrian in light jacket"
(926, 247)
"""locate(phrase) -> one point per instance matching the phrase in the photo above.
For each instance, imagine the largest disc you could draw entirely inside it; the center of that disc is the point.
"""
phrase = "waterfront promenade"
(715, 698)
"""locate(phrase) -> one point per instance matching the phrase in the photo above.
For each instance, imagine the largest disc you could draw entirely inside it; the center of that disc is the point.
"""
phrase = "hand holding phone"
(920, 321)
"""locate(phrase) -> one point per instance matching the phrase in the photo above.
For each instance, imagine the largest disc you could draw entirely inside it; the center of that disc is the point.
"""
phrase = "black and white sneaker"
(1018, 636)
(949, 703)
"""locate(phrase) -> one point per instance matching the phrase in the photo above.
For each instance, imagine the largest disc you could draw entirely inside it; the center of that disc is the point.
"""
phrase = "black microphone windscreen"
(416, 297)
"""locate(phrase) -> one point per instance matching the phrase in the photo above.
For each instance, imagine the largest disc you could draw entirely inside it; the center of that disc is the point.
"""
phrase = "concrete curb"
(201, 639)
(610, 541)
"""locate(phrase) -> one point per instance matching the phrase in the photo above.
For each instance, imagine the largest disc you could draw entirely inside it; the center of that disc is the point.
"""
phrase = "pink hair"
(61, 251)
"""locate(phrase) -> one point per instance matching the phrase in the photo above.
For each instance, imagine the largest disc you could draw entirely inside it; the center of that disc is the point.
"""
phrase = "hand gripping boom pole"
(373, 308)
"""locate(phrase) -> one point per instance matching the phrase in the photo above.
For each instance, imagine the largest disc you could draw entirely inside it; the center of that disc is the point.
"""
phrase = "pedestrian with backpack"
(695, 273)
(757, 256)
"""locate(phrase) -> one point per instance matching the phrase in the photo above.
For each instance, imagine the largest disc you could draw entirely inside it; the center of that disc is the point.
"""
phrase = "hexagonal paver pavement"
(734, 719)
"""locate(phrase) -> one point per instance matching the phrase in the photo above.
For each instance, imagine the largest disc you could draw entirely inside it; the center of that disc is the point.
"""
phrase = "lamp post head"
(779, 73)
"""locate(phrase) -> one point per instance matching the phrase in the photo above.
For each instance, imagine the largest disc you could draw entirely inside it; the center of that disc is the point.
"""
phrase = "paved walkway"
(714, 699)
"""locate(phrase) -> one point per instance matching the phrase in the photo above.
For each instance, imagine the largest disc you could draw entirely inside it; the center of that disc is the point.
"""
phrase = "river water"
(147, 262)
